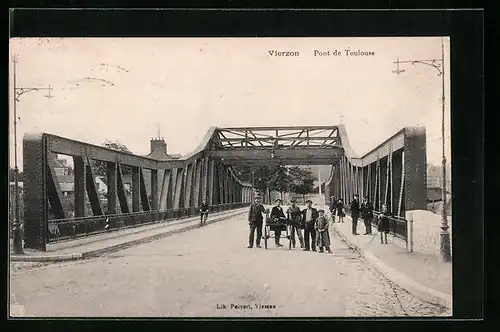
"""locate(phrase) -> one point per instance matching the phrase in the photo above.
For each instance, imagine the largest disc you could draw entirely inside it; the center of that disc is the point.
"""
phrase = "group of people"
(311, 220)
(314, 222)
(365, 211)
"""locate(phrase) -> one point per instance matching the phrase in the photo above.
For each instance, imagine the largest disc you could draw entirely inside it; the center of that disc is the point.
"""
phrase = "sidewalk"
(425, 276)
(116, 240)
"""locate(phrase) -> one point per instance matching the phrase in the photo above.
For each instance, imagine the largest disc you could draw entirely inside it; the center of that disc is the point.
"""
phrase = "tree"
(278, 177)
(303, 181)
(100, 167)
(281, 179)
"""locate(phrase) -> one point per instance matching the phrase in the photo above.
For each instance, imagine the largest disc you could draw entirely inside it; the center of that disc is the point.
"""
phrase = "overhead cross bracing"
(297, 145)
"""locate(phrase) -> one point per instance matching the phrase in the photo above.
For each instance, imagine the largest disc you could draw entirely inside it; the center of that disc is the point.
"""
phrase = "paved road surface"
(193, 273)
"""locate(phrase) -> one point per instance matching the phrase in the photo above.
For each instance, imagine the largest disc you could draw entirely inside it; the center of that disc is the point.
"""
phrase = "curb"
(45, 258)
(124, 245)
(418, 290)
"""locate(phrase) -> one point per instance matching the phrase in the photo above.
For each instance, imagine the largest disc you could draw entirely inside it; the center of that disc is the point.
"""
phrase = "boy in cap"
(309, 215)
(322, 235)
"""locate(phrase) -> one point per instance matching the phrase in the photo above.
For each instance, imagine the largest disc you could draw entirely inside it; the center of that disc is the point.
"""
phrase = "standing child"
(383, 223)
(339, 207)
(322, 236)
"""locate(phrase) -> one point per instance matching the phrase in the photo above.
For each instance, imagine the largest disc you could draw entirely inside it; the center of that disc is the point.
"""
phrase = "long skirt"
(322, 239)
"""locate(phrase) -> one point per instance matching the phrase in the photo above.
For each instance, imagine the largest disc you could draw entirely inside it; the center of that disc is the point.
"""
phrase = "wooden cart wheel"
(266, 236)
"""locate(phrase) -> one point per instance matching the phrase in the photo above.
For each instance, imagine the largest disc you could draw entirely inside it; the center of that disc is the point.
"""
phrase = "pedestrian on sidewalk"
(309, 216)
(255, 220)
(322, 235)
(383, 223)
(277, 216)
(367, 215)
(332, 207)
(339, 207)
(294, 216)
(355, 211)
(203, 212)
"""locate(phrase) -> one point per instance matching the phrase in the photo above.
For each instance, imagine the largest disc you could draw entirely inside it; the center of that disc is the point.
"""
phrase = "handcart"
(271, 226)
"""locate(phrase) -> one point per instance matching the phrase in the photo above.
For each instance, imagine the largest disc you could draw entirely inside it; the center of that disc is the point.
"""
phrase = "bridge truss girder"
(394, 173)
(172, 185)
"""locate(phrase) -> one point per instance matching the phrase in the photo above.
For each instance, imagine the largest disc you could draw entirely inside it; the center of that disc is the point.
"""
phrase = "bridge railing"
(398, 226)
(70, 228)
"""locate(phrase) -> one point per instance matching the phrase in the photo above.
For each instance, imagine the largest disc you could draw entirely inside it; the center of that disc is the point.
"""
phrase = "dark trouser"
(255, 225)
(354, 224)
(277, 233)
(202, 215)
(368, 225)
(299, 234)
(310, 234)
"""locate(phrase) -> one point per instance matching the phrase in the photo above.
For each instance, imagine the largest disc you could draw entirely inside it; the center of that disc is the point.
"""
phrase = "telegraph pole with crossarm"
(438, 64)
(18, 92)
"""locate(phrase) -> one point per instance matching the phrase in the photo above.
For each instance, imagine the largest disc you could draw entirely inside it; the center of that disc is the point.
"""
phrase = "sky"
(125, 88)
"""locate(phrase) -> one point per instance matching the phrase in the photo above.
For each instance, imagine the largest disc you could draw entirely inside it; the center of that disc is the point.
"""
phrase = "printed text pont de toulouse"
(323, 53)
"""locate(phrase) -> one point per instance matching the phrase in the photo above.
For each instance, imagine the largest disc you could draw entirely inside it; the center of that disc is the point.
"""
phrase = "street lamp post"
(16, 225)
(438, 64)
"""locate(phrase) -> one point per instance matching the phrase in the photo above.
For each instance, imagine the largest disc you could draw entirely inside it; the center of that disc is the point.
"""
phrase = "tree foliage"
(303, 181)
(100, 167)
(278, 177)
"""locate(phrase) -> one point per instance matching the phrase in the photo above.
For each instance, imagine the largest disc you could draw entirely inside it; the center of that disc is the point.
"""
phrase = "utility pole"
(319, 180)
(438, 64)
(16, 226)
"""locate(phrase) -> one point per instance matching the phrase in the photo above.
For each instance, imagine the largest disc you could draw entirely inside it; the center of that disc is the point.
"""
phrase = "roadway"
(198, 272)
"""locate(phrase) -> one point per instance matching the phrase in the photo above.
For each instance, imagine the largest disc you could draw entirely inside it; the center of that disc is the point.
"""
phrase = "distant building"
(159, 150)
(61, 167)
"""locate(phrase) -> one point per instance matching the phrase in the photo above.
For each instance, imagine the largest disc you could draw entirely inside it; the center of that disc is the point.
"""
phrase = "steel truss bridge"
(394, 173)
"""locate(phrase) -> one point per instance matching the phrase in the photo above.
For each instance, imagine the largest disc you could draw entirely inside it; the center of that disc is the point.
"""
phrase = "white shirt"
(308, 214)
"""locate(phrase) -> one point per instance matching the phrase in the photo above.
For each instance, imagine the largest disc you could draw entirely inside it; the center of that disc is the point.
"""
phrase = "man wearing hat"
(333, 205)
(295, 217)
(277, 215)
(255, 220)
(367, 214)
(309, 216)
(355, 211)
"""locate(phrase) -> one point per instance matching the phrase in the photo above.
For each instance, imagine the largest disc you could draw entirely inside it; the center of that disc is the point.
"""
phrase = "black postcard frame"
(465, 28)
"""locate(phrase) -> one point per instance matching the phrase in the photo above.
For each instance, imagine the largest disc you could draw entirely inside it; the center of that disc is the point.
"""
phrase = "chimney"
(158, 145)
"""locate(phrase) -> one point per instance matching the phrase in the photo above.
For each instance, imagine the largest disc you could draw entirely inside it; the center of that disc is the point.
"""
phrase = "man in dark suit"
(355, 211)
(277, 215)
(309, 216)
(255, 220)
(367, 215)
